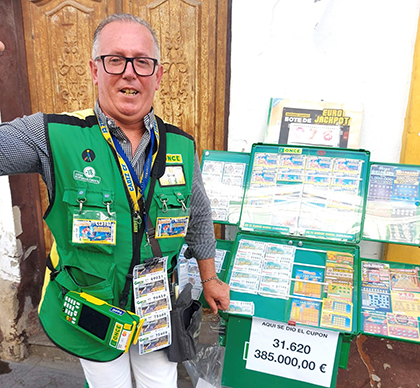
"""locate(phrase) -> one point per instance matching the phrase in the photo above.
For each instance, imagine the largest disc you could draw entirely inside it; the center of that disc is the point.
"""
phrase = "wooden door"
(193, 36)
(193, 40)
(58, 39)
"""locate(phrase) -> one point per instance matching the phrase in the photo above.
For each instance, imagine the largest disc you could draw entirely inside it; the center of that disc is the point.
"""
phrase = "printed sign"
(295, 352)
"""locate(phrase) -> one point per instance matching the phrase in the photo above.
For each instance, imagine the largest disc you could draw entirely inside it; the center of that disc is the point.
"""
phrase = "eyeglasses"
(116, 64)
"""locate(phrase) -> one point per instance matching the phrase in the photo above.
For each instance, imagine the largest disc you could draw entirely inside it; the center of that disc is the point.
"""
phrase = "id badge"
(171, 227)
(94, 227)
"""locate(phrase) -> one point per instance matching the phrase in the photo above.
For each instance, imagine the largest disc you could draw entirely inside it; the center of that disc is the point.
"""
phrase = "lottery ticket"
(404, 279)
(234, 170)
(319, 164)
(305, 312)
(154, 328)
(295, 162)
(154, 309)
(247, 263)
(275, 268)
(274, 287)
(265, 159)
(307, 287)
(244, 282)
(340, 291)
(406, 302)
(336, 321)
(403, 326)
(374, 322)
(377, 273)
(346, 167)
(240, 307)
(337, 306)
(340, 258)
(150, 345)
(263, 176)
(212, 167)
(219, 214)
(376, 298)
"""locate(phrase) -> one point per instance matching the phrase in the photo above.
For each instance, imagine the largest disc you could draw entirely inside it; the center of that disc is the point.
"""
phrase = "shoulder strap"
(157, 171)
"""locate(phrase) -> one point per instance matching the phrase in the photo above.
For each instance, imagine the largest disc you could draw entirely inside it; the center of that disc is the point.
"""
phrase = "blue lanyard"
(141, 184)
(129, 174)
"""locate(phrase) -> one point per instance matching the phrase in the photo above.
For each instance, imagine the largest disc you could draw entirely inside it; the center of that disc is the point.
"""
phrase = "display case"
(224, 175)
(309, 192)
(295, 259)
(393, 204)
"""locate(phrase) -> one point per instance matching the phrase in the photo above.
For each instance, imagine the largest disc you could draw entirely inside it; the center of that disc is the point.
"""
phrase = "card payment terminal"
(108, 324)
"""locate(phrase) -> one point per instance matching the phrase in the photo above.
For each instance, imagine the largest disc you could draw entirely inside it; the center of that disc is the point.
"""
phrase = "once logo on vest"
(88, 175)
(173, 158)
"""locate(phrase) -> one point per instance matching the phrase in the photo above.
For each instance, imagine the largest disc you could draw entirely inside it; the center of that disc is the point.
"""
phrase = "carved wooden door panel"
(58, 38)
(193, 40)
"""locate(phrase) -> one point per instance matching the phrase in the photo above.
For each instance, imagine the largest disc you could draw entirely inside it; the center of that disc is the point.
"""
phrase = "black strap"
(150, 231)
(50, 266)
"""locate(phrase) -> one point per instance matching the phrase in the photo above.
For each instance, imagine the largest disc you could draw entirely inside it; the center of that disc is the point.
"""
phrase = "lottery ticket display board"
(299, 282)
(393, 204)
(224, 176)
(390, 299)
(312, 192)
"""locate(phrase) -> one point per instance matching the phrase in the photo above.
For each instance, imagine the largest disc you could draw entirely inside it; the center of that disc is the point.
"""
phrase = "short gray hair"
(122, 17)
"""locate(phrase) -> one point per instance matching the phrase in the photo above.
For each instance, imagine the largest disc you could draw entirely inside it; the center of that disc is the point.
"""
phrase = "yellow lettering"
(173, 158)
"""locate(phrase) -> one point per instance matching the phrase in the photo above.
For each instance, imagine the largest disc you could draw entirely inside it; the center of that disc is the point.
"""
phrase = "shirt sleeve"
(200, 234)
(23, 147)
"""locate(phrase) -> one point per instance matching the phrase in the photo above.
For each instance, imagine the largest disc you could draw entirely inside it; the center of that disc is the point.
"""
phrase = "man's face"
(126, 98)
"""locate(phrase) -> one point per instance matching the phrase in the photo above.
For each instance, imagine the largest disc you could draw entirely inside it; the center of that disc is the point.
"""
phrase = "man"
(84, 160)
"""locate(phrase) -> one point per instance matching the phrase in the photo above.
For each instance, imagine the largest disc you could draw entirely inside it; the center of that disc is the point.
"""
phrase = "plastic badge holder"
(108, 324)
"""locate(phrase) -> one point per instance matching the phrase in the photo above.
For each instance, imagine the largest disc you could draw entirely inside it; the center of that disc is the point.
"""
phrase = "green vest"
(86, 175)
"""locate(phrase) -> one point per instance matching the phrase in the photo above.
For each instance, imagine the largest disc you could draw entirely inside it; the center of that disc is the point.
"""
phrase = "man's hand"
(216, 294)
(2, 47)
(215, 291)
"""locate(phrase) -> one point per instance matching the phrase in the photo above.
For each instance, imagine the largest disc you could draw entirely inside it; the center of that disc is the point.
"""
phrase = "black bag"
(186, 318)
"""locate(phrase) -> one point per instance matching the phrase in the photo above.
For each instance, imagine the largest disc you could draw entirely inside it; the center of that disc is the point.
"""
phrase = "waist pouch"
(186, 318)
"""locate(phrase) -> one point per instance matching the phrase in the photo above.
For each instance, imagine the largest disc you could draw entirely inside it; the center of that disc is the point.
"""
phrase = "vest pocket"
(73, 278)
(91, 221)
(172, 215)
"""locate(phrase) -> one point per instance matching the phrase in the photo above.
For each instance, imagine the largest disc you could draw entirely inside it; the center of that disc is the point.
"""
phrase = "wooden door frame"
(25, 187)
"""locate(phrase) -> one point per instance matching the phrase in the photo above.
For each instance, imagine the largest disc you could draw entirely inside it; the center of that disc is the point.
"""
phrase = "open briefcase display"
(295, 261)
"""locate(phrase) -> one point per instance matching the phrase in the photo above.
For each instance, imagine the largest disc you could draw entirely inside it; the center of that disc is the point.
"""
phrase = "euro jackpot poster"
(311, 123)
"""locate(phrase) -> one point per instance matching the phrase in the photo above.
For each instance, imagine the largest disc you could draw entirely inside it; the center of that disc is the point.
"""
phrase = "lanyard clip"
(163, 200)
(81, 202)
(108, 207)
(107, 201)
(81, 198)
(136, 222)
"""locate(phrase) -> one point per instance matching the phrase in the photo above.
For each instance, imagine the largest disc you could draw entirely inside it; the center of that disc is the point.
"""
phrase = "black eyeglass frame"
(127, 59)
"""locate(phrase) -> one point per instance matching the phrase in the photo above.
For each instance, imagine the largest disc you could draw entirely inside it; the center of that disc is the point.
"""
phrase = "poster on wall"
(311, 123)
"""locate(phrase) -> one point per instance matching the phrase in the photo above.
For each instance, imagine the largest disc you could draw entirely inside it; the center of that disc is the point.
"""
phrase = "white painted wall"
(351, 51)
(10, 249)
